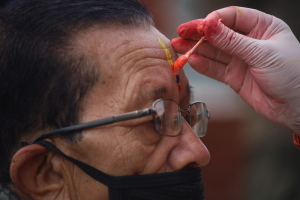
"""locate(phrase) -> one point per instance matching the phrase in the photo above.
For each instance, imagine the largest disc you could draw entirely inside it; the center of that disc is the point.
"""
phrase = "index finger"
(240, 19)
(189, 30)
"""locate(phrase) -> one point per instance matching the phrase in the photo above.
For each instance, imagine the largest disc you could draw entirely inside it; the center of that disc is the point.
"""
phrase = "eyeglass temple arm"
(100, 122)
(134, 114)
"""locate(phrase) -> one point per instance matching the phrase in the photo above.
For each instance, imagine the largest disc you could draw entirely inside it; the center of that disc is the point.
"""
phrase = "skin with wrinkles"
(259, 59)
(134, 73)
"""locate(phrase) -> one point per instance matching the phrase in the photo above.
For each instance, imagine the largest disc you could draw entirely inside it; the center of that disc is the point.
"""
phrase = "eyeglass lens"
(168, 118)
(199, 118)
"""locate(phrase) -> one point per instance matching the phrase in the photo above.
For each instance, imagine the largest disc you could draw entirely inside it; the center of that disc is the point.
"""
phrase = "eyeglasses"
(167, 119)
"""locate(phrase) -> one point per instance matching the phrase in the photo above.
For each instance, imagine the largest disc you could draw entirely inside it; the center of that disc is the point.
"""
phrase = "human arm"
(255, 53)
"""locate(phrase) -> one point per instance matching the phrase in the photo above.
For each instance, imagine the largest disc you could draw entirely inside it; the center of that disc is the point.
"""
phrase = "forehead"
(132, 65)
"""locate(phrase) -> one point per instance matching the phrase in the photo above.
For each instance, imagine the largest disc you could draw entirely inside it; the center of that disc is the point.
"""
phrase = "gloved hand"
(253, 52)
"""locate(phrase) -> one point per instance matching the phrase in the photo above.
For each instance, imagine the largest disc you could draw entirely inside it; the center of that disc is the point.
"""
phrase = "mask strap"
(98, 175)
(133, 181)
(8, 193)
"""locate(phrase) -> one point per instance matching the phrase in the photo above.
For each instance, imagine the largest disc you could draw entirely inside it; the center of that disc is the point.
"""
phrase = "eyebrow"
(160, 90)
(164, 90)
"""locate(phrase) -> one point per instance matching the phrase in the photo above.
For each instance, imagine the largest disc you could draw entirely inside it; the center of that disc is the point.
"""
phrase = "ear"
(33, 174)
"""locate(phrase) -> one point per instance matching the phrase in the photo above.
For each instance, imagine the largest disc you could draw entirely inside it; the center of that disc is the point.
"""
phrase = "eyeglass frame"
(117, 118)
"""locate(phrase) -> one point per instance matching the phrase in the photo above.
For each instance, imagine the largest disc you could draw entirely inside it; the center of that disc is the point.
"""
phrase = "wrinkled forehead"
(113, 42)
(132, 63)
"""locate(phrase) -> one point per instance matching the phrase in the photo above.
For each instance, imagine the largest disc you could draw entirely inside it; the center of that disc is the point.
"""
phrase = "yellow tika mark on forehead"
(169, 59)
(168, 54)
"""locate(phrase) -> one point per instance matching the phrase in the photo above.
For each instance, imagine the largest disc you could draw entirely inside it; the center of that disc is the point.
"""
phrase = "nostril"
(191, 165)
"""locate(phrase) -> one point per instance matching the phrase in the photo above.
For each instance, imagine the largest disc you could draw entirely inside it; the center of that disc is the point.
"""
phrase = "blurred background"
(251, 158)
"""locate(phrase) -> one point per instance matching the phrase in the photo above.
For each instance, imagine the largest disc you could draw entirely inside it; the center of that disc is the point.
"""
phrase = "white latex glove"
(253, 52)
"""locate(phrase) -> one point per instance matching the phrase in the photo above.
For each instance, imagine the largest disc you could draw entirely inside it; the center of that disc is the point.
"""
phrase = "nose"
(189, 151)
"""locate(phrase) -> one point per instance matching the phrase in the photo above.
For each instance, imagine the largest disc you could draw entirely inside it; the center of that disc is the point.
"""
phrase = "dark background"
(3, 2)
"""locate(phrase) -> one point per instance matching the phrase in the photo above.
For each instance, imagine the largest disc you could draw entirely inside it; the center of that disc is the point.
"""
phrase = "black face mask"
(178, 185)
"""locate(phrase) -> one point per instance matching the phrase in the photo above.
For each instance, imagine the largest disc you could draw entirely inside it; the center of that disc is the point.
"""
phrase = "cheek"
(137, 146)
(120, 151)
(146, 134)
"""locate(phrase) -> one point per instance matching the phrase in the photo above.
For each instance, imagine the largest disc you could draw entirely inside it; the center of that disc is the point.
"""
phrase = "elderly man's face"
(133, 72)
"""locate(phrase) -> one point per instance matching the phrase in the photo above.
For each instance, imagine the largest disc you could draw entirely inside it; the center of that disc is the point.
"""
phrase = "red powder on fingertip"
(183, 30)
(200, 29)
(179, 43)
(209, 28)
(188, 30)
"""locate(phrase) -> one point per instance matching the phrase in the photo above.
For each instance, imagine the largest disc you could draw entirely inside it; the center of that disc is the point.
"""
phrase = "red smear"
(296, 140)
(189, 30)
(209, 28)
(280, 101)
(179, 87)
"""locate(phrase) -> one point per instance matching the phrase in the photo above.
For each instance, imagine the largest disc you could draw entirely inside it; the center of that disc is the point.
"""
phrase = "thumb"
(227, 40)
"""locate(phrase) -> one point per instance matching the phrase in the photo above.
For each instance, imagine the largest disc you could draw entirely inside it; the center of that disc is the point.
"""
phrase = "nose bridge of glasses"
(186, 114)
(185, 110)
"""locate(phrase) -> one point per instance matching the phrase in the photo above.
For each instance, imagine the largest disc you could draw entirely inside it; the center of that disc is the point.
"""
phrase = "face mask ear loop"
(8, 193)
(91, 171)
